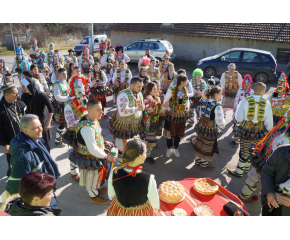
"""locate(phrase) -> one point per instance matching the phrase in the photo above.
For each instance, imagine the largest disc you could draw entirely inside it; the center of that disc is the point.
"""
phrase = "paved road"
(74, 200)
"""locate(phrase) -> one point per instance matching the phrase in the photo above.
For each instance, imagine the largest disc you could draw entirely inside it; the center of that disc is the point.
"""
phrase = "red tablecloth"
(192, 198)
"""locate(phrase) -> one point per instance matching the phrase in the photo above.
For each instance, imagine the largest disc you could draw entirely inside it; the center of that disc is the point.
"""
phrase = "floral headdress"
(282, 86)
(247, 83)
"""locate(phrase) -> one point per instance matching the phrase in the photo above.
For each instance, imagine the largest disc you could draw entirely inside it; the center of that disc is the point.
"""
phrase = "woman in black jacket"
(38, 103)
(35, 194)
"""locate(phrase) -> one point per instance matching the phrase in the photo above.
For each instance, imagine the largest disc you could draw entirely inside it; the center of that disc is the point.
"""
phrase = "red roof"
(279, 32)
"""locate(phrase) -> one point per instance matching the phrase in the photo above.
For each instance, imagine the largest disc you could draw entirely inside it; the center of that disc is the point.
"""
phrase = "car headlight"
(199, 63)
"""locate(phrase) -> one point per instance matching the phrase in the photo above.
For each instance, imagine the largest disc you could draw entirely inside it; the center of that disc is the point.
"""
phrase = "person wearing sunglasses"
(11, 110)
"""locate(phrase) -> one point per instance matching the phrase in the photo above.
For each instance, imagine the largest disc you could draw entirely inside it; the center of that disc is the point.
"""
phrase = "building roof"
(279, 32)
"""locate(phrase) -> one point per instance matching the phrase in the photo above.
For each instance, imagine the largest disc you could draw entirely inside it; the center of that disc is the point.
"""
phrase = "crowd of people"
(159, 101)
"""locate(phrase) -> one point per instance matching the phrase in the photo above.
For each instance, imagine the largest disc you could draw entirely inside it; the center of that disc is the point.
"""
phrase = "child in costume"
(166, 78)
(39, 76)
(280, 100)
(153, 112)
(61, 95)
(44, 66)
(121, 78)
(119, 54)
(176, 115)
(164, 64)
(254, 118)
(34, 52)
(133, 192)
(110, 76)
(243, 92)
(86, 61)
(144, 76)
(50, 53)
(17, 61)
(67, 61)
(72, 57)
(144, 62)
(110, 59)
(98, 81)
(152, 71)
(205, 145)
(199, 88)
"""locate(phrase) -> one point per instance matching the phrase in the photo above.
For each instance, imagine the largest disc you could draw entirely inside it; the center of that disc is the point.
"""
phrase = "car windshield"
(85, 41)
(167, 44)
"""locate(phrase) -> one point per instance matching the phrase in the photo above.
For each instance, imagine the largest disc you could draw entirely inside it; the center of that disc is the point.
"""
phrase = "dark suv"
(261, 65)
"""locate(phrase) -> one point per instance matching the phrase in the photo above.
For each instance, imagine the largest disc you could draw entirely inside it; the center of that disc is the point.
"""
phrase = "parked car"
(96, 38)
(157, 46)
(261, 65)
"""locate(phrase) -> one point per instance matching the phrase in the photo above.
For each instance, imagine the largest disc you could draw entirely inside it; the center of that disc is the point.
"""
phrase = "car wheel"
(209, 71)
(261, 77)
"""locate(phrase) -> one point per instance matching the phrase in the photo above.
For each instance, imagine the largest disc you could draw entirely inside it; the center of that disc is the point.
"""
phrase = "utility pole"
(91, 40)
(11, 27)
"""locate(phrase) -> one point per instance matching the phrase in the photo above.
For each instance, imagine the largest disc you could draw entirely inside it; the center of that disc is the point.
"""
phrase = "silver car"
(157, 46)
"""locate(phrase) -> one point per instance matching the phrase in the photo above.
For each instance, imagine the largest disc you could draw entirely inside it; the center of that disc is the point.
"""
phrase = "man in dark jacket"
(29, 154)
(11, 110)
(275, 172)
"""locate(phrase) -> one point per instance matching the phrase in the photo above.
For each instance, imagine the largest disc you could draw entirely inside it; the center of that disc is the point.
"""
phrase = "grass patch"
(4, 51)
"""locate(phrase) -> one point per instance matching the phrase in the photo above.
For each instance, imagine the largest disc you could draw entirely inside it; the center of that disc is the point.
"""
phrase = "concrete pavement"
(75, 201)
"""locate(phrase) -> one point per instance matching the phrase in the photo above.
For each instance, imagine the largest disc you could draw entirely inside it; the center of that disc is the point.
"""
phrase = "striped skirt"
(205, 148)
(60, 119)
(101, 98)
(116, 209)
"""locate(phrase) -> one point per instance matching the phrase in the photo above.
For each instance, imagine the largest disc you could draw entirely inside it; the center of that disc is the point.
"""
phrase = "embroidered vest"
(155, 117)
(153, 74)
(82, 149)
(63, 88)
(110, 58)
(178, 101)
(163, 66)
(252, 107)
(132, 103)
(280, 106)
(167, 80)
(198, 87)
(126, 75)
(86, 62)
(119, 58)
(207, 108)
(18, 63)
(231, 83)
(50, 57)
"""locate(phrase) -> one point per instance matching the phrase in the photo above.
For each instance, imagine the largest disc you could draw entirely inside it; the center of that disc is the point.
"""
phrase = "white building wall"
(195, 48)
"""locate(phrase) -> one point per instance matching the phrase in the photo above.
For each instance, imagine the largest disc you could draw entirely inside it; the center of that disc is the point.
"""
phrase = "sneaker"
(176, 152)
(168, 152)
(59, 144)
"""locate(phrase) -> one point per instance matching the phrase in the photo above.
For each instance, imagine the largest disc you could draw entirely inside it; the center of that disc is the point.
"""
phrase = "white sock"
(93, 193)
